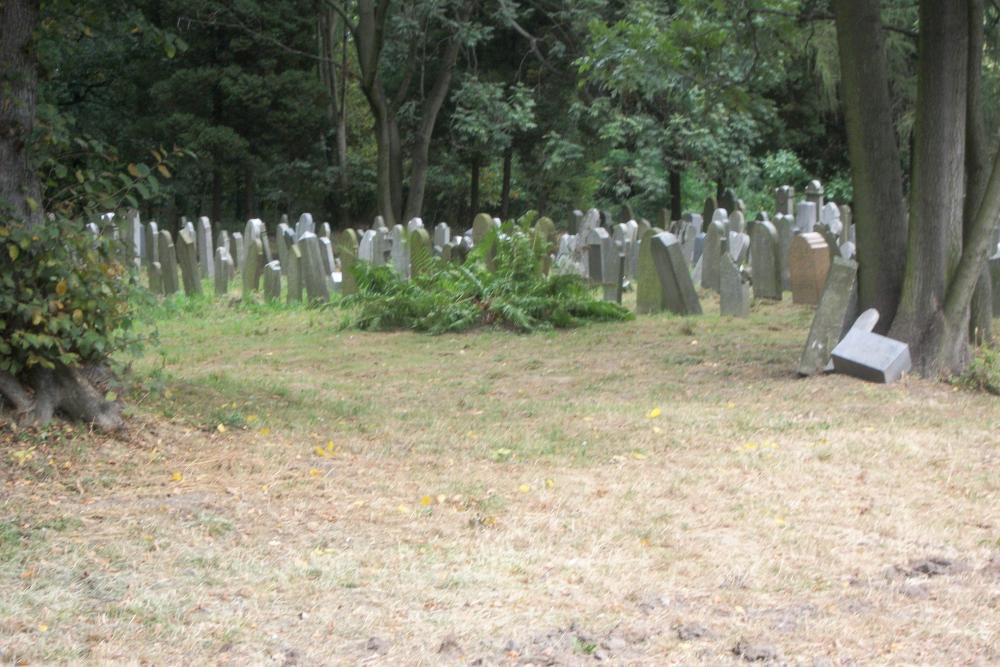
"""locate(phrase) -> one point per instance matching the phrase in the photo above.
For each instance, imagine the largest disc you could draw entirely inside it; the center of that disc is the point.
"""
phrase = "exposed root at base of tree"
(70, 392)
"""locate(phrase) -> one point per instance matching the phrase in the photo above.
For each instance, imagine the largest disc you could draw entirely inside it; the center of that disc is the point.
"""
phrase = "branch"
(817, 16)
(336, 6)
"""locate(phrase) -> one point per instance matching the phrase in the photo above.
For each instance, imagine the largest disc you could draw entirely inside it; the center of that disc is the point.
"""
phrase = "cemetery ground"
(660, 491)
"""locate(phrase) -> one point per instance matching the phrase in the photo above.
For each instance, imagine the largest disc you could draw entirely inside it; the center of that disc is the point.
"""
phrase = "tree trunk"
(976, 146)
(676, 205)
(333, 36)
(20, 191)
(879, 207)
(934, 247)
(249, 196)
(216, 193)
(508, 161)
(474, 187)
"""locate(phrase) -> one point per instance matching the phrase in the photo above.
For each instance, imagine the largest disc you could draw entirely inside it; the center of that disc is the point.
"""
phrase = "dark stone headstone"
(679, 295)
(832, 315)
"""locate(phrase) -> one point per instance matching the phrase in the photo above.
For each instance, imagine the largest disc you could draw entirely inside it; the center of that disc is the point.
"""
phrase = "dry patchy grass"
(507, 499)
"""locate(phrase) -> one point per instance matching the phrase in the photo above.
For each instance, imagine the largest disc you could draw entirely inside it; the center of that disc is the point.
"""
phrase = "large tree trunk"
(333, 38)
(37, 394)
(934, 247)
(474, 186)
(20, 191)
(676, 203)
(976, 165)
(879, 207)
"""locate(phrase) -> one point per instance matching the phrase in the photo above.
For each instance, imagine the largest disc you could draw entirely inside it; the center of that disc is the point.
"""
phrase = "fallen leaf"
(221, 428)
(177, 476)
(654, 413)
(426, 501)
(524, 488)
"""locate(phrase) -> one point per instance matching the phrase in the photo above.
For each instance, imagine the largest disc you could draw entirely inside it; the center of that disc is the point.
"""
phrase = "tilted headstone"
(421, 254)
(294, 272)
(846, 223)
(282, 237)
(482, 225)
(690, 230)
(871, 357)
(715, 239)
(765, 261)
(734, 289)
(676, 286)
(325, 231)
(347, 251)
(317, 288)
(808, 264)
(832, 316)
(187, 257)
(221, 241)
(168, 263)
(814, 195)
(272, 281)
(805, 217)
(223, 270)
(237, 250)
(134, 237)
(784, 200)
(708, 210)
(649, 293)
(206, 257)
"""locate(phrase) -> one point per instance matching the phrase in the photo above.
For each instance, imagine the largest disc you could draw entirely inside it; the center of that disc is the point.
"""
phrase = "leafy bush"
(500, 284)
(983, 374)
(63, 296)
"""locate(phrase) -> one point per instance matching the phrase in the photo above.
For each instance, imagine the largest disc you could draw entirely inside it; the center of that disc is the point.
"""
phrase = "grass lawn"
(662, 491)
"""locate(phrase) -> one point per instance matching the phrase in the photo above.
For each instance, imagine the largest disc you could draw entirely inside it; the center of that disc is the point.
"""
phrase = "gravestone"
(135, 237)
(382, 245)
(168, 263)
(847, 250)
(737, 222)
(785, 226)
(784, 200)
(223, 270)
(829, 217)
(283, 237)
(253, 267)
(734, 289)
(599, 255)
(347, 250)
(814, 195)
(712, 252)
(151, 232)
(237, 249)
(994, 264)
(272, 281)
(808, 264)
(871, 357)
(421, 253)
(442, 234)
(326, 255)
(366, 247)
(738, 248)
(314, 277)
(846, 224)
(690, 231)
(304, 225)
(187, 257)
(765, 261)
(832, 315)
(253, 231)
(325, 232)
(379, 222)
(221, 241)
(677, 289)
(413, 224)
(649, 292)
(400, 252)
(294, 272)
(805, 217)
(206, 256)
(607, 220)
(708, 210)
(482, 224)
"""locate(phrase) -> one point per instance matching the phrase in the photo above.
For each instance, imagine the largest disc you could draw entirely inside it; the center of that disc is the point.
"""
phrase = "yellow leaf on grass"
(251, 419)
(524, 488)
(42, 627)
(314, 472)
(403, 509)
(638, 456)
(221, 428)
(61, 287)
(426, 501)
(325, 452)
(550, 483)
(177, 476)
(265, 431)
(654, 413)
(657, 430)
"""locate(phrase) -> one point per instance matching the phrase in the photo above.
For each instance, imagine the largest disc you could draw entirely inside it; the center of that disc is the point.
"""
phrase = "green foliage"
(501, 284)
(61, 297)
(983, 374)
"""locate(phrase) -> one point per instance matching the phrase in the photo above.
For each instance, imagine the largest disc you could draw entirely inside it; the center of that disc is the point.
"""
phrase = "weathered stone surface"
(253, 268)
(805, 217)
(738, 247)
(413, 224)
(151, 242)
(400, 253)
(734, 290)
(442, 234)
(421, 252)
(237, 249)
(223, 270)
(649, 292)
(326, 254)
(206, 256)
(808, 264)
(599, 255)
(677, 289)
(784, 200)
(134, 237)
(814, 195)
(294, 273)
(765, 261)
(715, 239)
(305, 224)
(366, 247)
(168, 263)
(187, 257)
(832, 316)
(728, 200)
(272, 281)
(871, 357)
(347, 251)
(155, 276)
(784, 224)
(314, 276)
(482, 224)
(737, 222)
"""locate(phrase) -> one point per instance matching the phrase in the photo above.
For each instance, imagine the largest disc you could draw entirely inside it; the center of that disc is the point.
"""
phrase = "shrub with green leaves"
(63, 297)
(983, 374)
(500, 284)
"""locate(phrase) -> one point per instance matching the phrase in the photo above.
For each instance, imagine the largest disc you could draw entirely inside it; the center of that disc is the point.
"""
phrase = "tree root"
(66, 391)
